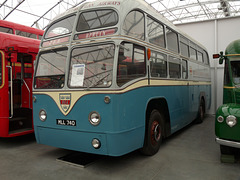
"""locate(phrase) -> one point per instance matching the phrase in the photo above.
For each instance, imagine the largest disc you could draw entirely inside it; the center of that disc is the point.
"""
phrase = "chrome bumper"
(228, 143)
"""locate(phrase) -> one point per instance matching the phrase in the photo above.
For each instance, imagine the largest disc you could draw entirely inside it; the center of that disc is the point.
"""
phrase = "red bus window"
(6, 30)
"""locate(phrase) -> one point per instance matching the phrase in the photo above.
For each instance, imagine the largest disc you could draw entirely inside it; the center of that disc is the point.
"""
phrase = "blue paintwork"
(122, 126)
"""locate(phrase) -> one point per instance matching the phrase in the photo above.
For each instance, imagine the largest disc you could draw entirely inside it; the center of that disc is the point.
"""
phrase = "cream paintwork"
(76, 95)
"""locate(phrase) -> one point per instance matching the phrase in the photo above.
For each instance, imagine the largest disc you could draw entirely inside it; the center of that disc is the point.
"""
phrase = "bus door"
(20, 83)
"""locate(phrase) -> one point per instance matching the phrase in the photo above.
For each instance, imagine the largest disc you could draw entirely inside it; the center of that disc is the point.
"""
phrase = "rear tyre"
(154, 133)
(201, 113)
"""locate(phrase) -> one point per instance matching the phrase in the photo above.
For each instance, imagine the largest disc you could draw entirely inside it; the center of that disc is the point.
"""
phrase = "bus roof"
(20, 27)
(233, 47)
(125, 6)
(20, 44)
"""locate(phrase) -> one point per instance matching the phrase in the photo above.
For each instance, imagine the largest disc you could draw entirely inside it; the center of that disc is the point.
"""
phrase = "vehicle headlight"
(42, 115)
(96, 143)
(231, 120)
(220, 119)
(94, 118)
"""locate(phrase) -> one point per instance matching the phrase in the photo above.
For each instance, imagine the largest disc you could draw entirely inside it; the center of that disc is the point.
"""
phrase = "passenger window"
(133, 25)
(131, 63)
(184, 69)
(61, 27)
(193, 51)
(155, 33)
(184, 47)
(174, 67)
(6, 30)
(158, 64)
(26, 34)
(97, 19)
(172, 40)
(200, 56)
(205, 57)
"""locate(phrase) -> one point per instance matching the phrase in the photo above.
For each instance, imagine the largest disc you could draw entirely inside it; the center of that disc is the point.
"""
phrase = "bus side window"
(184, 47)
(174, 67)
(227, 80)
(131, 65)
(26, 34)
(6, 30)
(184, 69)
(193, 51)
(172, 40)
(155, 32)
(158, 63)
(205, 57)
(133, 25)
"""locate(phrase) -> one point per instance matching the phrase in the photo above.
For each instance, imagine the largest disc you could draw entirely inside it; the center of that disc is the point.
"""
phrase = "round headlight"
(231, 120)
(96, 143)
(94, 118)
(42, 115)
(220, 119)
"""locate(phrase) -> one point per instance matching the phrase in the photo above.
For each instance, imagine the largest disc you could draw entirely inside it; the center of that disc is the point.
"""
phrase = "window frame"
(163, 30)
(135, 46)
(105, 27)
(172, 60)
(144, 25)
(70, 64)
(45, 37)
(167, 29)
(152, 64)
(11, 30)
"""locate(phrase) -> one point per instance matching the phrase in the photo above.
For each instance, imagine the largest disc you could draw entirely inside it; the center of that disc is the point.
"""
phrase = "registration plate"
(66, 122)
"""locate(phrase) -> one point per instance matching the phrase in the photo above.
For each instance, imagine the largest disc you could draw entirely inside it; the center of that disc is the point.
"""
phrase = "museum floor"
(187, 155)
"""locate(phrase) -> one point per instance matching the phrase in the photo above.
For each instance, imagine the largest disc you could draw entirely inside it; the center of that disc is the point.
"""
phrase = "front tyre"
(154, 133)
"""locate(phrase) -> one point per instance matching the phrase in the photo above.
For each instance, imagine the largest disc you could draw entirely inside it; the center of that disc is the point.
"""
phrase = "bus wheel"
(201, 113)
(153, 134)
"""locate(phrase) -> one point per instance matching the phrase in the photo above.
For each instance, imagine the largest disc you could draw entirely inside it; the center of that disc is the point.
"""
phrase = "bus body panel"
(222, 130)
(78, 69)
(228, 134)
(122, 126)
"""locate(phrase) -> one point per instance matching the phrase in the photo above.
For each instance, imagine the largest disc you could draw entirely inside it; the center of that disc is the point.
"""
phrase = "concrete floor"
(189, 154)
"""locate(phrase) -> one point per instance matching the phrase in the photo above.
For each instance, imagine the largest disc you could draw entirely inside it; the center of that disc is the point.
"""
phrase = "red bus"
(21, 30)
(19, 46)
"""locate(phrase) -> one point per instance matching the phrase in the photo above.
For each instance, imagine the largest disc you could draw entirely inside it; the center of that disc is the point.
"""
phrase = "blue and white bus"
(115, 76)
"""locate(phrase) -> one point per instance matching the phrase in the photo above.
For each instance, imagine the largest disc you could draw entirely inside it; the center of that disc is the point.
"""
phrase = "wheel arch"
(202, 97)
(162, 106)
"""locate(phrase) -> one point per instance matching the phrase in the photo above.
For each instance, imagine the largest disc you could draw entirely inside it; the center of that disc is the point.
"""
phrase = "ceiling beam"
(13, 9)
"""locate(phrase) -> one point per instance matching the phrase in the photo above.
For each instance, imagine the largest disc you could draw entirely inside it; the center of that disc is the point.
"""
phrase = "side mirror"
(220, 56)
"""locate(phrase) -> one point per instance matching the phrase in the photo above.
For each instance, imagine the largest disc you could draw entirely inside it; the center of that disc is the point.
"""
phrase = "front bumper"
(228, 143)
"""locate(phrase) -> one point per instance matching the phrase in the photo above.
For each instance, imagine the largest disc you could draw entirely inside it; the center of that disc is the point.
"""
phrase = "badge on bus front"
(65, 101)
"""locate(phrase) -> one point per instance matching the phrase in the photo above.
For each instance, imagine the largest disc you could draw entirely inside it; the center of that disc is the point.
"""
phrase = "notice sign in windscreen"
(78, 71)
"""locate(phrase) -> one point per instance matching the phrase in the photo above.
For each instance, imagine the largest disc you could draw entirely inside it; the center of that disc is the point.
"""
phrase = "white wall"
(215, 35)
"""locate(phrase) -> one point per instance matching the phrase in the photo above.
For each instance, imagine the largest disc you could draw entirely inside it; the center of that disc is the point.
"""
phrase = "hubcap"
(155, 133)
